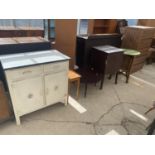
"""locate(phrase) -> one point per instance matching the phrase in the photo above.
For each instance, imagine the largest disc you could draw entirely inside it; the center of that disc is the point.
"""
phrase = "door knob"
(30, 96)
(56, 88)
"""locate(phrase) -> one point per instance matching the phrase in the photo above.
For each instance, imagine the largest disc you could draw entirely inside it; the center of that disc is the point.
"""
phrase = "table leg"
(78, 88)
(102, 81)
(85, 92)
(116, 78)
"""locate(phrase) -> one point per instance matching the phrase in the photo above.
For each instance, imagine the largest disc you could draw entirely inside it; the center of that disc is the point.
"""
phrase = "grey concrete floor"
(109, 109)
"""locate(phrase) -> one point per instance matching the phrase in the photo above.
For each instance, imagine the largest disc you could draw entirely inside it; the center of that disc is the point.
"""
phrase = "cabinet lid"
(32, 58)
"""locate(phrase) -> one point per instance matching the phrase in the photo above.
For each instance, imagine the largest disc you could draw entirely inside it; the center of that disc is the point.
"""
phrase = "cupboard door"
(28, 95)
(56, 87)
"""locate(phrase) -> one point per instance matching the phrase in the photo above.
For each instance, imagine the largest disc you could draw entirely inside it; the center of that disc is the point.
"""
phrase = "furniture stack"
(149, 22)
(138, 38)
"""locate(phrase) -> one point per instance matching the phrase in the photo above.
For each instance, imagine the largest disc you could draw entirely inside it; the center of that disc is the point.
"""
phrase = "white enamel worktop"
(31, 58)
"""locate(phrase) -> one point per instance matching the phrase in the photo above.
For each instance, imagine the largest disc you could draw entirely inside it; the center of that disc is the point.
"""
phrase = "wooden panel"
(146, 22)
(100, 26)
(4, 107)
(90, 26)
(65, 37)
(138, 38)
(20, 33)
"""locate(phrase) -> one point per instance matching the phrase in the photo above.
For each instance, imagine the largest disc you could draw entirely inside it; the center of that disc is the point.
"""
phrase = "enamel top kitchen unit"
(36, 80)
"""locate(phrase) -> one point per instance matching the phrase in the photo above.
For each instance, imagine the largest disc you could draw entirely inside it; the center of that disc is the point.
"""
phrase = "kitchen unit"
(36, 80)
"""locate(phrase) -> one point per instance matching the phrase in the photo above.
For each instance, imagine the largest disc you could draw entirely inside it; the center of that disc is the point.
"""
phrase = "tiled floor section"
(110, 109)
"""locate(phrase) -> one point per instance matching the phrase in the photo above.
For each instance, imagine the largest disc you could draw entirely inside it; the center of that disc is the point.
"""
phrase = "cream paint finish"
(36, 87)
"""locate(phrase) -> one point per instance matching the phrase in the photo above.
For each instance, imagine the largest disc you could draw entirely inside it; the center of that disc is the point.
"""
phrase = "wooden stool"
(74, 77)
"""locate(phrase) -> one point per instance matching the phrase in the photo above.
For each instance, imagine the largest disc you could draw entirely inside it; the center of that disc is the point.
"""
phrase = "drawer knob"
(30, 96)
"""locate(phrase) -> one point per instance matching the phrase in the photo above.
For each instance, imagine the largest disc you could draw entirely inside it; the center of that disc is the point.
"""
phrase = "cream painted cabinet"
(35, 87)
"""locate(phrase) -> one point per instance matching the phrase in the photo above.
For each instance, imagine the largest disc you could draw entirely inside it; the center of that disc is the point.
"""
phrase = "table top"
(108, 49)
(131, 52)
(11, 61)
(73, 75)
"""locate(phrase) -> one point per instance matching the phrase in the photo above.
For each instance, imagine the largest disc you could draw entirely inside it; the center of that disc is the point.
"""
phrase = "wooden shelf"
(96, 26)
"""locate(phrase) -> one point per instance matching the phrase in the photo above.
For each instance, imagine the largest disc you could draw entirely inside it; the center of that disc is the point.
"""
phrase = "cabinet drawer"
(56, 67)
(25, 72)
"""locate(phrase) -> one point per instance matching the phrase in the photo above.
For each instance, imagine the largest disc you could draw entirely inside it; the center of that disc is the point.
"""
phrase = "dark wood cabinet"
(106, 60)
(86, 42)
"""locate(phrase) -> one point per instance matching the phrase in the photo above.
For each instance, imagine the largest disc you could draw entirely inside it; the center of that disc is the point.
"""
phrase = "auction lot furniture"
(106, 60)
(130, 63)
(5, 111)
(74, 77)
(138, 38)
(86, 42)
(36, 80)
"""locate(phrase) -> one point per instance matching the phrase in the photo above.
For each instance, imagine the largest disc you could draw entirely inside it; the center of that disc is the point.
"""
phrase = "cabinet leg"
(66, 100)
(78, 88)
(102, 80)
(127, 77)
(17, 120)
(116, 77)
(110, 76)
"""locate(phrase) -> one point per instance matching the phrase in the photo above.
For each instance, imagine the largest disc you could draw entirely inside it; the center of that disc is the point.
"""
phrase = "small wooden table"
(74, 77)
(129, 65)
